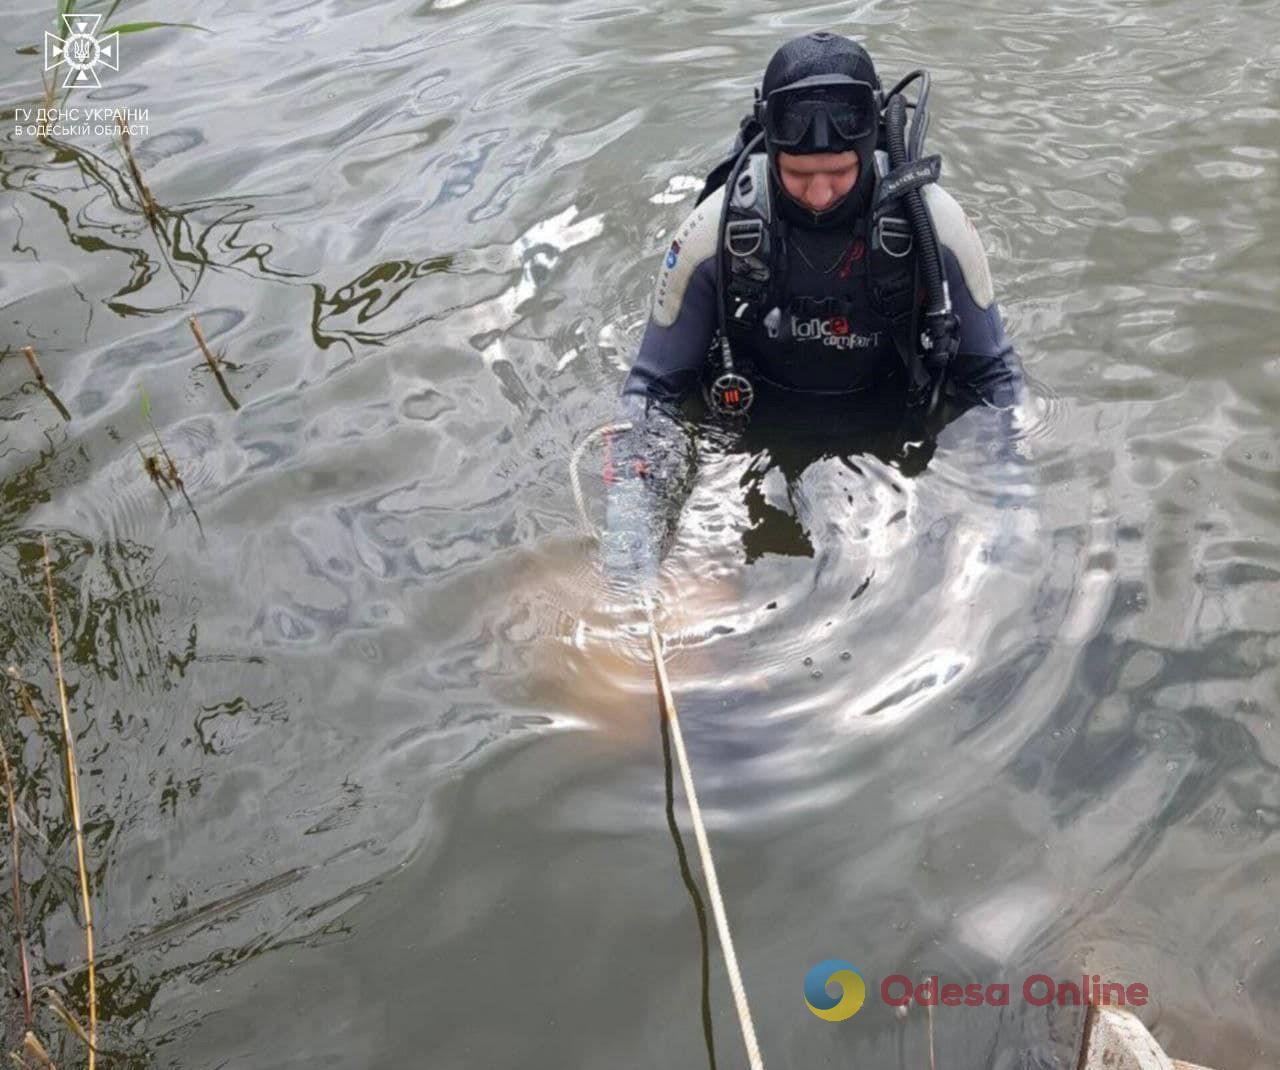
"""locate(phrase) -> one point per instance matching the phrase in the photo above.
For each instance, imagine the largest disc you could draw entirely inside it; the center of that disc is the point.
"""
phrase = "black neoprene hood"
(812, 55)
(815, 54)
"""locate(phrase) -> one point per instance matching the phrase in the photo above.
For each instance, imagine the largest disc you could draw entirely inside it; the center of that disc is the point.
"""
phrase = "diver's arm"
(986, 380)
(645, 474)
(985, 376)
(985, 369)
(647, 466)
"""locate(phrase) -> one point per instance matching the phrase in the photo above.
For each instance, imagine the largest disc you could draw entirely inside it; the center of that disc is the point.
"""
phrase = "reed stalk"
(30, 353)
(73, 793)
(213, 362)
(15, 853)
(148, 202)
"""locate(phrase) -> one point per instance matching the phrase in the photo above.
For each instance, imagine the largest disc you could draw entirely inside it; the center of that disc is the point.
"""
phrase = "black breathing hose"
(930, 261)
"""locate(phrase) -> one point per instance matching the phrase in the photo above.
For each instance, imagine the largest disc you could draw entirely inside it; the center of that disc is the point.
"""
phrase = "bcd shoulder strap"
(749, 247)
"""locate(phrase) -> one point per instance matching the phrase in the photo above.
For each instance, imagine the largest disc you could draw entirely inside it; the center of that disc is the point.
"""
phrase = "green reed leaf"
(137, 27)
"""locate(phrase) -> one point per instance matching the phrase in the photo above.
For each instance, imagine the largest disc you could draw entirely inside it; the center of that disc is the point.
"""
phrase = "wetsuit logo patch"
(833, 331)
(673, 254)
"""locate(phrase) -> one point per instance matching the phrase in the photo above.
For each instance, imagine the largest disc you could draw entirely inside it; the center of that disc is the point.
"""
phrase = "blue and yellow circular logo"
(853, 992)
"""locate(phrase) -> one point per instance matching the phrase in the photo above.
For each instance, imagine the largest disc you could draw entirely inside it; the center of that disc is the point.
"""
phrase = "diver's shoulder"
(693, 244)
(956, 232)
(698, 235)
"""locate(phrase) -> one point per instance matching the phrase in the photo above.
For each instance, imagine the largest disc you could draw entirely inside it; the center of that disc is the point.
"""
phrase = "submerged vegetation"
(33, 1050)
(161, 468)
(37, 374)
(50, 1012)
(215, 363)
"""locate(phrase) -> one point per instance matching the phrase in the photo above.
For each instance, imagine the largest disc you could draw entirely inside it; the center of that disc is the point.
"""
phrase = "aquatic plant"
(215, 362)
(164, 474)
(149, 207)
(32, 1046)
(73, 796)
(15, 853)
(38, 374)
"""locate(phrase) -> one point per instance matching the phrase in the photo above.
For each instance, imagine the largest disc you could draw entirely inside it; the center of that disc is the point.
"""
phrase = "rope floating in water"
(667, 703)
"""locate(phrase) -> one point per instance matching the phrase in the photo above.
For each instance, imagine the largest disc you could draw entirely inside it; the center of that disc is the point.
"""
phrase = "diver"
(824, 284)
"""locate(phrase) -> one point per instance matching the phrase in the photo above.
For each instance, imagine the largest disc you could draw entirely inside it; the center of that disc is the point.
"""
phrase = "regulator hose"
(940, 335)
(930, 261)
(732, 393)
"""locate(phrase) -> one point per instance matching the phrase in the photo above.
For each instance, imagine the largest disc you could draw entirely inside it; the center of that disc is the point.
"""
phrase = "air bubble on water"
(816, 674)
(808, 661)
(845, 655)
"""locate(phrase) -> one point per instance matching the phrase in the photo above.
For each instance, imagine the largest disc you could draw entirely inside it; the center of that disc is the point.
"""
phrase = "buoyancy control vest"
(889, 297)
(833, 319)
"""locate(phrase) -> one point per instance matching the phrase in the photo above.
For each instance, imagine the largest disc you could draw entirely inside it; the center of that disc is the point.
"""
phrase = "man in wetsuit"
(811, 287)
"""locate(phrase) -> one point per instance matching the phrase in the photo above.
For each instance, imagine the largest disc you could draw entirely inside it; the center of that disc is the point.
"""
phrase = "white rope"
(686, 775)
(704, 849)
(933, 1065)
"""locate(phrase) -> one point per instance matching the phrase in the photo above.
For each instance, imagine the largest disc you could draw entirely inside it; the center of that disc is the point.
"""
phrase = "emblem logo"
(838, 974)
(82, 51)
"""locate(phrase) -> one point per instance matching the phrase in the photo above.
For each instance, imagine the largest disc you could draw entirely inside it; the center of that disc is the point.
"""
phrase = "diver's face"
(819, 180)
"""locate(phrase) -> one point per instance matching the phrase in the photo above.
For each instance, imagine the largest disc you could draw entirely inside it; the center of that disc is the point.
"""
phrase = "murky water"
(368, 781)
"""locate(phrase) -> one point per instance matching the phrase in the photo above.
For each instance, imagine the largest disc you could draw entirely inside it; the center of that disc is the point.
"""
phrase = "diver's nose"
(820, 195)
